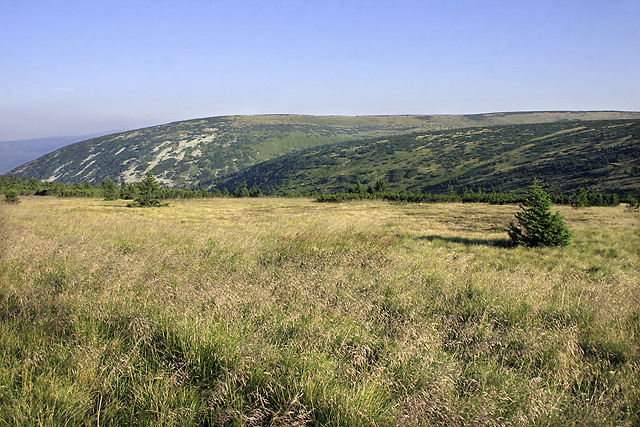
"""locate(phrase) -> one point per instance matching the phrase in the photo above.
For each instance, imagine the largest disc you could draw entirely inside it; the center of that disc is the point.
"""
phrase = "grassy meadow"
(290, 312)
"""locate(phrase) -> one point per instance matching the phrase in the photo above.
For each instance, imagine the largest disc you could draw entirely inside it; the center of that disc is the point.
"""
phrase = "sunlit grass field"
(290, 312)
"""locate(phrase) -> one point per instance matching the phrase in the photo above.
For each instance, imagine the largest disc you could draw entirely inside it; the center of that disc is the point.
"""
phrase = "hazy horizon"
(76, 68)
(113, 131)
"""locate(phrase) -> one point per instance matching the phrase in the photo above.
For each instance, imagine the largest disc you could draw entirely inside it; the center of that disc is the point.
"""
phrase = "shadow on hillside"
(495, 243)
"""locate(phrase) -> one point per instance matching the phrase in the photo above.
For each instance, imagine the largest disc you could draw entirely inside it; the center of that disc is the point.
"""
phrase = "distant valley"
(18, 152)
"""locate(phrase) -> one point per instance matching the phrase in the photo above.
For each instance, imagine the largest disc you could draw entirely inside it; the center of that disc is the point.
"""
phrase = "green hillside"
(204, 152)
(601, 155)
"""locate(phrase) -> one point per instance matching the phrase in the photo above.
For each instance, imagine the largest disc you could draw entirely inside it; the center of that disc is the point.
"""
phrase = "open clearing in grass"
(290, 312)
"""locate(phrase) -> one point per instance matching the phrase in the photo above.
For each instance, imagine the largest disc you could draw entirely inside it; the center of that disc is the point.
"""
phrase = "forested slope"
(205, 152)
(600, 155)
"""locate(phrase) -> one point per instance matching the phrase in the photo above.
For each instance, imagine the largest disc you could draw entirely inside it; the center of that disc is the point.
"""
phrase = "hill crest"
(204, 151)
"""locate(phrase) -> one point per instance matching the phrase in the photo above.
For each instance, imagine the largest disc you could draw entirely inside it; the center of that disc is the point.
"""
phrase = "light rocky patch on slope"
(91, 156)
(85, 168)
(130, 174)
(91, 172)
(167, 182)
(159, 146)
(579, 129)
(128, 135)
(55, 175)
(161, 157)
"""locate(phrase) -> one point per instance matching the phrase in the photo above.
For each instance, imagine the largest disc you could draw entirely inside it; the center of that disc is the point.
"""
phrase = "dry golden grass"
(290, 312)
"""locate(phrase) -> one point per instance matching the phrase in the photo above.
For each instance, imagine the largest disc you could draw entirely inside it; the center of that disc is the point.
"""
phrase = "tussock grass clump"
(289, 312)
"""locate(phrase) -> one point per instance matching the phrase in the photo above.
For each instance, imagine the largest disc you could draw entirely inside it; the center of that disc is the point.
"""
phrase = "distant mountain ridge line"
(205, 151)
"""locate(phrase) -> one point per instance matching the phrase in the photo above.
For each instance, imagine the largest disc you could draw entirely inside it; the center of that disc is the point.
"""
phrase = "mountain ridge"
(207, 151)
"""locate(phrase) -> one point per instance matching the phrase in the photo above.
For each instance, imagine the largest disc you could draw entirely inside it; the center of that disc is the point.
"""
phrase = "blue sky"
(78, 67)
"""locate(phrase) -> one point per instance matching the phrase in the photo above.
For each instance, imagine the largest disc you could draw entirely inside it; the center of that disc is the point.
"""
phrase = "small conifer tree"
(149, 192)
(11, 196)
(380, 186)
(241, 191)
(633, 205)
(255, 191)
(536, 225)
(110, 190)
